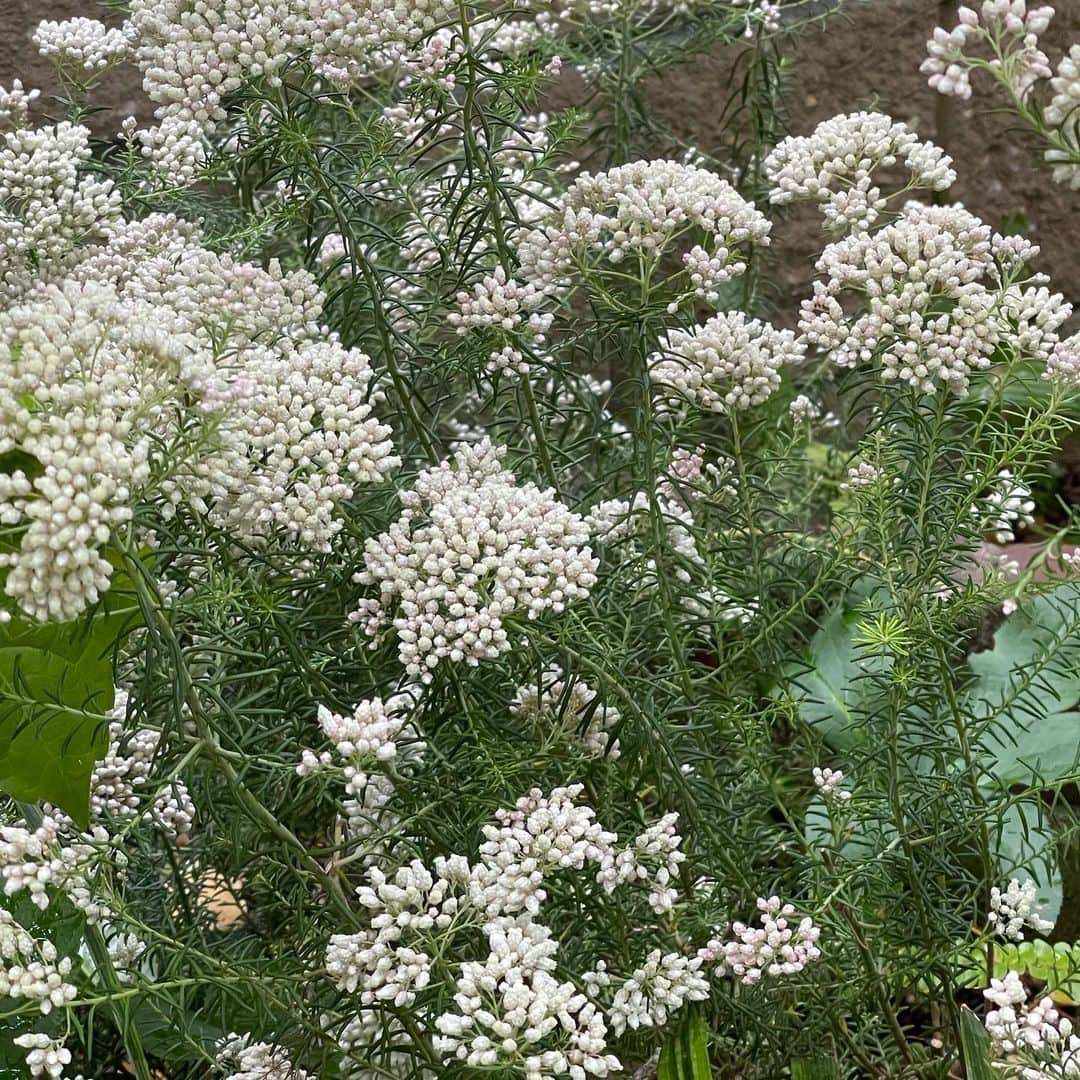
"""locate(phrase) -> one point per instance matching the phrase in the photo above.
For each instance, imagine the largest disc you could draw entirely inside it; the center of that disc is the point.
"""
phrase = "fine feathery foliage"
(460, 618)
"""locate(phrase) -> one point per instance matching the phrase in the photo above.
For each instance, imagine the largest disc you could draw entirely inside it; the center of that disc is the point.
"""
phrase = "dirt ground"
(867, 56)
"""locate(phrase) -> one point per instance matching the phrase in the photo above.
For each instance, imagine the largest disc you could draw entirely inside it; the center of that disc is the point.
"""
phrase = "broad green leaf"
(1024, 848)
(975, 1047)
(834, 690)
(685, 1052)
(1046, 751)
(866, 835)
(1029, 685)
(56, 687)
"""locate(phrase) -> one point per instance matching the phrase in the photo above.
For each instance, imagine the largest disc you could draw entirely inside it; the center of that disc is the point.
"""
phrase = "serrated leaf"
(975, 1047)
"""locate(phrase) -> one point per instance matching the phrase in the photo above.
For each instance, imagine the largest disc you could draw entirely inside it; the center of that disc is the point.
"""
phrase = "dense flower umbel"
(1013, 908)
(152, 341)
(730, 362)
(471, 548)
(512, 1012)
(774, 948)
(31, 968)
(1031, 1039)
(655, 990)
(85, 43)
(243, 1058)
(1002, 38)
(47, 207)
(942, 292)
(514, 1009)
(836, 165)
(642, 212)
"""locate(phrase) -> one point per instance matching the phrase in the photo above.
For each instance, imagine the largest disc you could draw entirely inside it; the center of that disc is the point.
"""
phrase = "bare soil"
(867, 56)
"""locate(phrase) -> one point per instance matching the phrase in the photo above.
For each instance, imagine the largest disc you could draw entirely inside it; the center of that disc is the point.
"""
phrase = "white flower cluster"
(1031, 1040)
(804, 409)
(46, 1056)
(47, 207)
(499, 302)
(1014, 908)
(568, 710)
(126, 769)
(32, 969)
(1062, 113)
(242, 1058)
(1063, 366)
(653, 858)
(1011, 30)
(1008, 31)
(828, 782)
(730, 362)
(774, 948)
(660, 987)
(1004, 506)
(940, 295)
(640, 211)
(512, 1012)
(353, 38)
(15, 106)
(150, 341)
(836, 165)
(863, 475)
(540, 834)
(406, 910)
(378, 737)
(511, 1009)
(193, 54)
(82, 42)
(472, 547)
(42, 861)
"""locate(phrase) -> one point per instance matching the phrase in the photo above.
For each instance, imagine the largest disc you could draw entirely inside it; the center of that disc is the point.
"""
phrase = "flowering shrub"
(454, 625)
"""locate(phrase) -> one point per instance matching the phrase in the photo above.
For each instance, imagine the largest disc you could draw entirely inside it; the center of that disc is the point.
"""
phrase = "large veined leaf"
(1028, 687)
(56, 687)
(833, 685)
(1024, 848)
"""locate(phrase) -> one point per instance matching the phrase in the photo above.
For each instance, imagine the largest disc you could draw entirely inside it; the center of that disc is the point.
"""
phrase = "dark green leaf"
(836, 685)
(1024, 847)
(975, 1047)
(56, 687)
(814, 1068)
